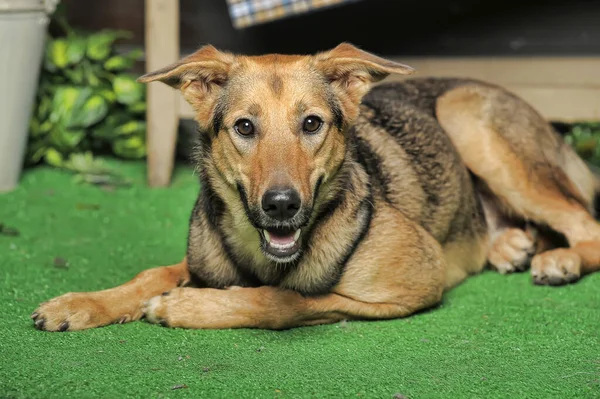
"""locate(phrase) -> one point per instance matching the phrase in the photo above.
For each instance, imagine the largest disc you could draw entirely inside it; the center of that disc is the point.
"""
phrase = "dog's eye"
(244, 127)
(311, 124)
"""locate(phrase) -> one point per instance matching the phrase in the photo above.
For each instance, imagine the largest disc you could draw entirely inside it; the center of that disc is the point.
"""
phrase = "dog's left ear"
(352, 71)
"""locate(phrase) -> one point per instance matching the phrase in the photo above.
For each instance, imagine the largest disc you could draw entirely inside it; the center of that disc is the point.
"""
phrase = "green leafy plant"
(585, 139)
(87, 103)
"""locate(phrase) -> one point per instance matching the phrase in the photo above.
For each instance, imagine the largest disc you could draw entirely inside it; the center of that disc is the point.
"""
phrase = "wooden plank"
(162, 48)
(546, 71)
(562, 104)
(185, 109)
(561, 89)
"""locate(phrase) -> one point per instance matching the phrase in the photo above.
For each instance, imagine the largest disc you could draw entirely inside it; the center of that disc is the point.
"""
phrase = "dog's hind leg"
(82, 310)
(566, 265)
(531, 172)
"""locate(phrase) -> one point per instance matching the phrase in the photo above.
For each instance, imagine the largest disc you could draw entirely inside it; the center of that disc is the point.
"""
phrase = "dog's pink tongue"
(281, 240)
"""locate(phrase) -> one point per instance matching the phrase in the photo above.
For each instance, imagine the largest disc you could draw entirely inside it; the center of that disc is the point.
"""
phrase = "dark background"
(387, 27)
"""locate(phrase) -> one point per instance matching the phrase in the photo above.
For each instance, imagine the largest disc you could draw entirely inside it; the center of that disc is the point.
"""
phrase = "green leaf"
(36, 154)
(65, 100)
(118, 63)
(85, 163)
(128, 91)
(93, 111)
(122, 62)
(107, 129)
(99, 45)
(43, 109)
(53, 158)
(130, 147)
(46, 126)
(92, 76)
(138, 108)
(76, 75)
(130, 128)
(135, 54)
(106, 77)
(34, 128)
(57, 80)
(66, 140)
(76, 49)
(56, 54)
(109, 95)
(92, 171)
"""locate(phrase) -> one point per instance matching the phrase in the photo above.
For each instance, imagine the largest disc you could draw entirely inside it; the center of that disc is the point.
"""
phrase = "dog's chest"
(244, 240)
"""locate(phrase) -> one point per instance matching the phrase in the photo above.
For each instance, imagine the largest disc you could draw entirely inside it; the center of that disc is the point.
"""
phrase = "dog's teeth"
(297, 235)
(267, 236)
(283, 246)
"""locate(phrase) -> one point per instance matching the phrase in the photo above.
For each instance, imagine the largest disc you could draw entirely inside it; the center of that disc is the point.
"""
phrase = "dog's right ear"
(199, 76)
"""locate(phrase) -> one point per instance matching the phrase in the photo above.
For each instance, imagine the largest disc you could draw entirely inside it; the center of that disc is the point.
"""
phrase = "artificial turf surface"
(494, 336)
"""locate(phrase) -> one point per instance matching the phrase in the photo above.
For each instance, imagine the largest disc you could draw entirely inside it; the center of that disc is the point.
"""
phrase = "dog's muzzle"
(281, 236)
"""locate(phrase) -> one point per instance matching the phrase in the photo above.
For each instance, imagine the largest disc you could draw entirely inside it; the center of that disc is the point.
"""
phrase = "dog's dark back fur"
(407, 112)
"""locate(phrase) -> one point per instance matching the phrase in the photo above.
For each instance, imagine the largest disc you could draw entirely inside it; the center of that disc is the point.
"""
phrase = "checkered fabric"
(245, 13)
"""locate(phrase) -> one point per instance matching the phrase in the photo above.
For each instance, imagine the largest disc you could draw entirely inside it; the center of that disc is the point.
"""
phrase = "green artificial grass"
(494, 336)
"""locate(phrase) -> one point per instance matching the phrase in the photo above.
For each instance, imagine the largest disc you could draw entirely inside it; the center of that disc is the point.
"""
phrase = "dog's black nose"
(281, 203)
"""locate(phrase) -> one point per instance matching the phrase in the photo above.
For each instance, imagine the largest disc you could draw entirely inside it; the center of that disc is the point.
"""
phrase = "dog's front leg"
(82, 310)
(263, 307)
(399, 269)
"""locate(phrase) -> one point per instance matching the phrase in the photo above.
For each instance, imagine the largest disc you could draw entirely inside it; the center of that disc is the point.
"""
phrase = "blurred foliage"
(585, 139)
(87, 103)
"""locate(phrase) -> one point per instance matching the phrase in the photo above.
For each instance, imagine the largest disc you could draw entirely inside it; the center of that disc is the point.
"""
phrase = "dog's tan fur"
(408, 189)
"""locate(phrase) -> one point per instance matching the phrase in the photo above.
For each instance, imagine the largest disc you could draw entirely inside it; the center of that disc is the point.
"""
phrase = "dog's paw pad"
(511, 251)
(556, 267)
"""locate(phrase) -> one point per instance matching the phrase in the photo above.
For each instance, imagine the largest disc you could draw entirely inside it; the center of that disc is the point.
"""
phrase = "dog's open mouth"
(281, 244)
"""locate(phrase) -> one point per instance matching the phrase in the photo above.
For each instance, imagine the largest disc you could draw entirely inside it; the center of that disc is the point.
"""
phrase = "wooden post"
(162, 48)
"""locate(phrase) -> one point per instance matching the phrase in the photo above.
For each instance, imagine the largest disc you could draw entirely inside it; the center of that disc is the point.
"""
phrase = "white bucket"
(23, 25)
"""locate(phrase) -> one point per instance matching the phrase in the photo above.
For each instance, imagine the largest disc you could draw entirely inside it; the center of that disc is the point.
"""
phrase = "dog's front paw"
(556, 267)
(157, 308)
(71, 312)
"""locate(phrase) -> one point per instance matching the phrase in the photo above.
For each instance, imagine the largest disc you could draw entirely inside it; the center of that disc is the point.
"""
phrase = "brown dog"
(321, 202)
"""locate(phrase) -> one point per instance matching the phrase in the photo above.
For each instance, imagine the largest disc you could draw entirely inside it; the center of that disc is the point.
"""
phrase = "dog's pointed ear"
(352, 71)
(199, 76)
